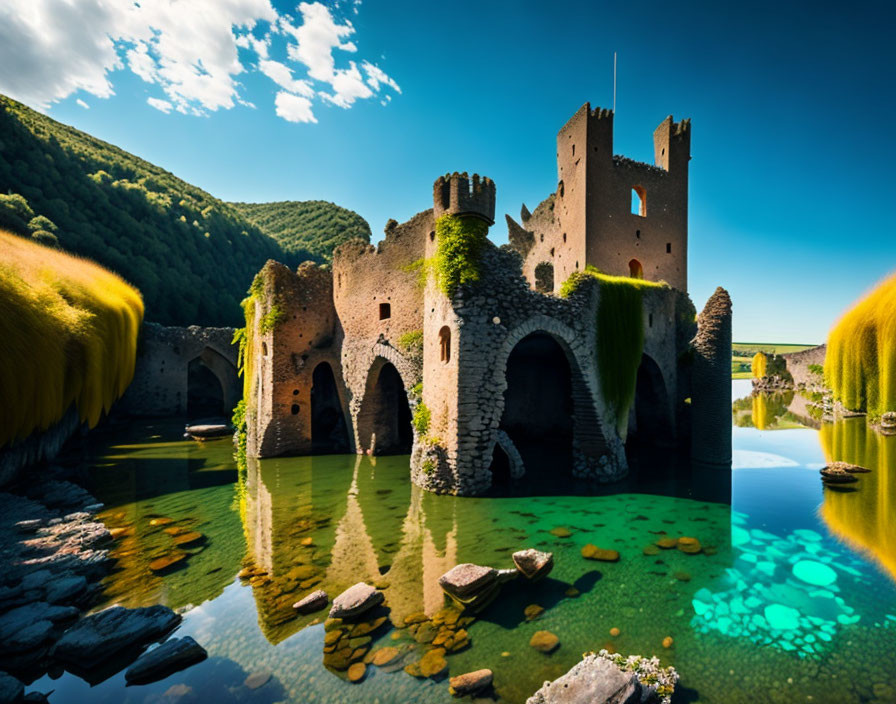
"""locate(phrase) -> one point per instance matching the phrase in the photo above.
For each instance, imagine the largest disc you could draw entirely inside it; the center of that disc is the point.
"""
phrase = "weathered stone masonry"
(348, 339)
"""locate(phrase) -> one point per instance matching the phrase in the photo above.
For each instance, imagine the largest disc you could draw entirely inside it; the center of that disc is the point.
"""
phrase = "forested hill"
(312, 225)
(191, 255)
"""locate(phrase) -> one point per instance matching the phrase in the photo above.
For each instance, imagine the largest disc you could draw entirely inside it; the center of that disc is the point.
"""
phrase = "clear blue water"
(792, 599)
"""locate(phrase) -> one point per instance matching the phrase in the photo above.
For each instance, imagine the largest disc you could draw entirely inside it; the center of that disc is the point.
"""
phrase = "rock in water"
(103, 634)
(168, 658)
(592, 552)
(847, 467)
(315, 601)
(11, 690)
(593, 681)
(470, 683)
(833, 474)
(533, 564)
(544, 641)
(467, 579)
(355, 601)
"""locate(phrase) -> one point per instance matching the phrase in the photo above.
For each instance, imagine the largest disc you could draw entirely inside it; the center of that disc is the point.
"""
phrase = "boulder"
(11, 690)
(65, 589)
(470, 682)
(355, 600)
(101, 635)
(28, 627)
(315, 601)
(833, 474)
(847, 467)
(533, 564)
(172, 655)
(467, 579)
(592, 552)
(593, 681)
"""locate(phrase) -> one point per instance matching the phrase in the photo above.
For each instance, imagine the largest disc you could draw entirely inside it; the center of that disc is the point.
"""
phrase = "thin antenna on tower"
(614, 82)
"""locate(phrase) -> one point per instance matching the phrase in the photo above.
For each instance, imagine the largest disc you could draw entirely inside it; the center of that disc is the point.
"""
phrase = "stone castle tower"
(626, 218)
(504, 372)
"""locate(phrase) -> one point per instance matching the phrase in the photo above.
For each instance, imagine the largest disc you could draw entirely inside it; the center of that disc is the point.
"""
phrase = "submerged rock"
(544, 641)
(355, 601)
(171, 656)
(470, 682)
(592, 552)
(315, 601)
(99, 636)
(533, 564)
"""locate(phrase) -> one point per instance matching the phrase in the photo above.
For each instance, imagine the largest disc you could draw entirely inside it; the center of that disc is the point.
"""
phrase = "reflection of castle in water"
(864, 518)
(361, 526)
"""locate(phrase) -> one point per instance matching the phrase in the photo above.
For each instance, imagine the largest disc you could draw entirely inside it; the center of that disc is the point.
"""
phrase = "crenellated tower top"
(457, 194)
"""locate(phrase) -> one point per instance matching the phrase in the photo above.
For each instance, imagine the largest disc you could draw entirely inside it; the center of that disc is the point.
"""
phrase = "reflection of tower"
(353, 558)
(259, 525)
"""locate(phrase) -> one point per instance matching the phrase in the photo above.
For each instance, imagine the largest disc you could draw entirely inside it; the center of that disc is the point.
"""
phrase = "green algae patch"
(620, 334)
(860, 365)
(69, 331)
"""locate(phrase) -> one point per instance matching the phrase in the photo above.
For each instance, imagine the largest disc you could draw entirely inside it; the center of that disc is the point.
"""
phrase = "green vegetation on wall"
(860, 366)
(69, 336)
(309, 229)
(422, 418)
(460, 242)
(620, 334)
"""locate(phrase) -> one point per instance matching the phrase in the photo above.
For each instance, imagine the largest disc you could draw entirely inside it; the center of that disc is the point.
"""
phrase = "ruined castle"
(515, 371)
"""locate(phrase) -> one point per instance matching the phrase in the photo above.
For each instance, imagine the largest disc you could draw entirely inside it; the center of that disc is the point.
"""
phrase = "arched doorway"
(329, 434)
(384, 421)
(205, 395)
(213, 385)
(635, 270)
(651, 424)
(538, 405)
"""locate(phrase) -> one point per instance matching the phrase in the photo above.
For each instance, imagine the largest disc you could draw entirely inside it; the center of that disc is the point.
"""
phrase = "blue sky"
(792, 169)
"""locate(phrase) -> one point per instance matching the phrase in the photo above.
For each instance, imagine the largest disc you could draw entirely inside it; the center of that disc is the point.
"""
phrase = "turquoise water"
(791, 599)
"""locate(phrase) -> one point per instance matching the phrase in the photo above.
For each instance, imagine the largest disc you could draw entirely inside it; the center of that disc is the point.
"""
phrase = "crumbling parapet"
(711, 382)
(458, 194)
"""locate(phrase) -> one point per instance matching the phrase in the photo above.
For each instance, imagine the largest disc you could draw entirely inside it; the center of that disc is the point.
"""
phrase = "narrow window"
(432, 236)
(264, 349)
(544, 277)
(295, 409)
(639, 201)
(564, 237)
(573, 149)
(635, 270)
(668, 248)
(385, 311)
(445, 344)
(638, 234)
(650, 320)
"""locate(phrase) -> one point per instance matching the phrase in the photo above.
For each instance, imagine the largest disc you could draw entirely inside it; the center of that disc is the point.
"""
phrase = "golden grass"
(860, 366)
(68, 335)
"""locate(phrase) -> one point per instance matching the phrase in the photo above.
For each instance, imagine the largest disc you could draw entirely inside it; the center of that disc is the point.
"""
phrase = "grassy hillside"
(191, 255)
(69, 335)
(860, 366)
(300, 227)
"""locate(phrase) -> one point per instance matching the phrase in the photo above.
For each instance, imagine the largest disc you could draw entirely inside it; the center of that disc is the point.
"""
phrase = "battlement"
(457, 194)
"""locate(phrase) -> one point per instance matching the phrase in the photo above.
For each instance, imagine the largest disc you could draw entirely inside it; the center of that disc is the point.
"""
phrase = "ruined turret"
(456, 194)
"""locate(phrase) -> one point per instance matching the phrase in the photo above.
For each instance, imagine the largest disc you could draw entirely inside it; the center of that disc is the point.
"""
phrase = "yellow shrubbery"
(68, 334)
(860, 366)
(759, 366)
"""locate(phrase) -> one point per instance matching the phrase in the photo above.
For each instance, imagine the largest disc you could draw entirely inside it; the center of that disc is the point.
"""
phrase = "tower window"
(385, 311)
(445, 344)
(564, 237)
(668, 248)
(635, 270)
(650, 320)
(638, 234)
(573, 149)
(639, 201)
(295, 409)
(432, 236)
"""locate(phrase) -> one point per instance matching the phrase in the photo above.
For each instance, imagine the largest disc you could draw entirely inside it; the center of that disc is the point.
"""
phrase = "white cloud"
(294, 108)
(82, 104)
(160, 104)
(190, 49)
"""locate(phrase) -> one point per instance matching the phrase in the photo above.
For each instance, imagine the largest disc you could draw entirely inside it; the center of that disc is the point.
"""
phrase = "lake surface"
(793, 598)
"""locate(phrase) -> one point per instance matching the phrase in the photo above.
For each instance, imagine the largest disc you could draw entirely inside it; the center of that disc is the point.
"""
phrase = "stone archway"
(651, 416)
(329, 432)
(384, 418)
(213, 386)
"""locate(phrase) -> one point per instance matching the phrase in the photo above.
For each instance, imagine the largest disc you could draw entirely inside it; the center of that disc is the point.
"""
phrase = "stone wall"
(38, 447)
(711, 382)
(798, 365)
(162, 374)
